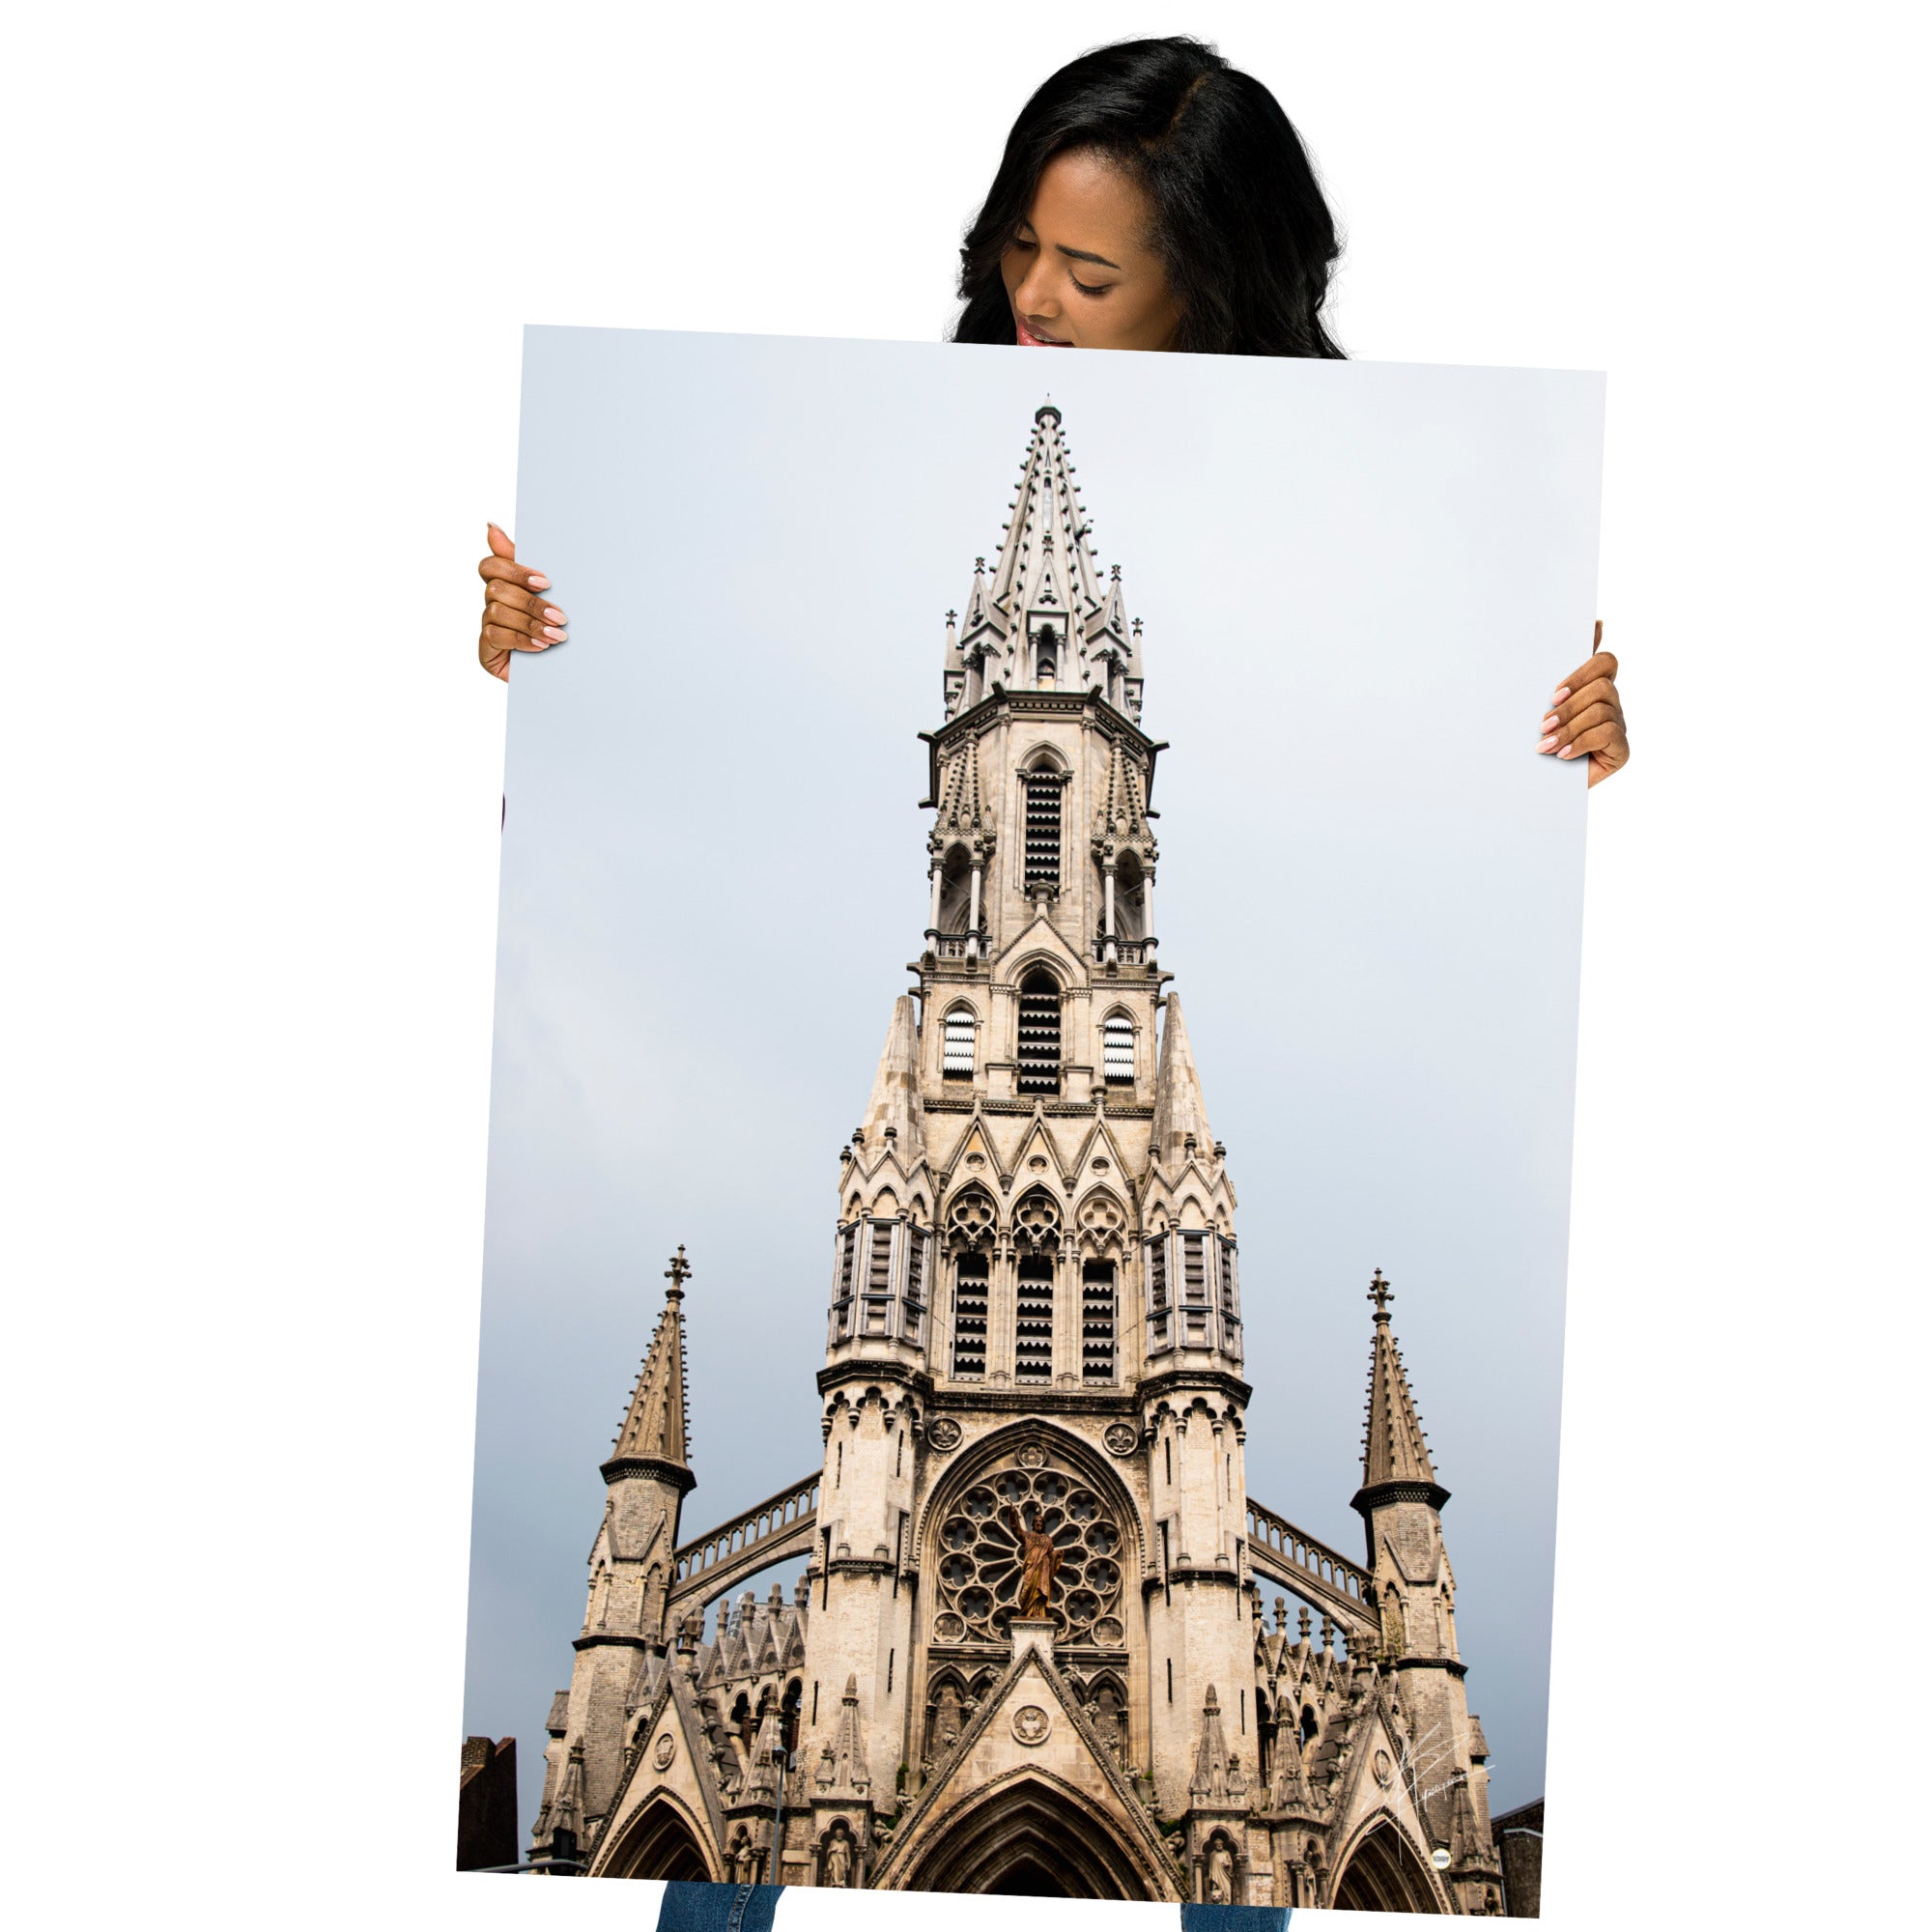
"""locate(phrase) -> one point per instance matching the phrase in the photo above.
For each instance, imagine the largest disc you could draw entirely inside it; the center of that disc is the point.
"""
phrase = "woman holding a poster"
(1154, 197)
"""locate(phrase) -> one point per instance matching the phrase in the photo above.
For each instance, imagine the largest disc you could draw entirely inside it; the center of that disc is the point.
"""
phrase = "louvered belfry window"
(879, 1280)
(1096, 1322)
(1039, 1035)
(969, 1315)
(918, 1244)
(959, 1044)
(1159, 1310)
(843, 1279)
(1231, 1300)
(1117, 1049)
(1196, 1302)
(1032, 1320)
(1042, 827)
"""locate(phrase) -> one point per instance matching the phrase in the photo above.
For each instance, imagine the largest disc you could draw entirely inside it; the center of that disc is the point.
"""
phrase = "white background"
(268, 272)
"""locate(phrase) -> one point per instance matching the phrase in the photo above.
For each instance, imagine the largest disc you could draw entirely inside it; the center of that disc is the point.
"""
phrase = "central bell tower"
(1036, 1310)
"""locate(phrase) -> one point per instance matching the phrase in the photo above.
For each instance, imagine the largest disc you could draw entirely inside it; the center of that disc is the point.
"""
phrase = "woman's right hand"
(516, 615)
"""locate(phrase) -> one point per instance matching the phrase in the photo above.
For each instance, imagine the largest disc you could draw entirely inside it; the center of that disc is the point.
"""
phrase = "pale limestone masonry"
(1036, 1318)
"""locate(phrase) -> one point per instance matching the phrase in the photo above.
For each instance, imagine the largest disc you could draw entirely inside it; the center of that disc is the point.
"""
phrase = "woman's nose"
(1034, 296)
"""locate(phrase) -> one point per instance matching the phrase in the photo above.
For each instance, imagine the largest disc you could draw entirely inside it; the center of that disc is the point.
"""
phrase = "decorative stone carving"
(1121, 1438)
(1385, 1769)
(970, 1219)
(1037, 1222)
(1103, 1220)
(1032, 1724)
(665, 1750)
(943, 1433)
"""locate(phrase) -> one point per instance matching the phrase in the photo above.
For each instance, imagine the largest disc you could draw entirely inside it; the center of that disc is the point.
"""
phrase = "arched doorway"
(658, 1843)
(1386, 1873)
(1030, 1839)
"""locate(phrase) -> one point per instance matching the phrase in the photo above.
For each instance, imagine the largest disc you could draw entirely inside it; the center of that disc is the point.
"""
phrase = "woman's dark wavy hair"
(1240, 226)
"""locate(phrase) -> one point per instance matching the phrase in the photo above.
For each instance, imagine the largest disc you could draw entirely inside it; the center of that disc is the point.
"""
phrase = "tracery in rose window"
(979, 1566)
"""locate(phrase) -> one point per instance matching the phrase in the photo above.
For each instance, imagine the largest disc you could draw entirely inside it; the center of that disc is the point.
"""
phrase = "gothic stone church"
(1029, 1652)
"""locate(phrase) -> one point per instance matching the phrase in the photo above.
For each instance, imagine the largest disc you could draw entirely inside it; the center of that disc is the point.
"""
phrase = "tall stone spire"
(1394, 1449)
(1045, 618)
(896, 1101)
(1178, 1110)
(656, 1423)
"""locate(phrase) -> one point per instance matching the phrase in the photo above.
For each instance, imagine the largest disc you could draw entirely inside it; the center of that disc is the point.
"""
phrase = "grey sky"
(1358, 583)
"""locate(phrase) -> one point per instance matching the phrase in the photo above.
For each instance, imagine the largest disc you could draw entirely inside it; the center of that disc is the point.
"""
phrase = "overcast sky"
(1359, 584)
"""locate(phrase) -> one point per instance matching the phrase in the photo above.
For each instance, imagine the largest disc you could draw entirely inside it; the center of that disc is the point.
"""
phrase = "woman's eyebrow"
(1086, 255)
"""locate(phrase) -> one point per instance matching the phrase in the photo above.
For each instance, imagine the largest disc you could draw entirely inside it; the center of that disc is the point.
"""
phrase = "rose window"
(979, 1559)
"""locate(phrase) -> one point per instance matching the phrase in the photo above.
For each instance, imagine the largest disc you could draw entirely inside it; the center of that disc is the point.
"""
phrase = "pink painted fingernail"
(1551, 721)
(553, 634)
(1568, 752)
(1548, 743)
(553, 616)
(539, 582)
(1557, 700)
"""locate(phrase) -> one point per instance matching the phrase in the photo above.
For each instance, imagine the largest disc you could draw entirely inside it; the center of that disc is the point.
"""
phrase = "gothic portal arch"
(661, 1841)
(1385, 1871)
(1030, 1836)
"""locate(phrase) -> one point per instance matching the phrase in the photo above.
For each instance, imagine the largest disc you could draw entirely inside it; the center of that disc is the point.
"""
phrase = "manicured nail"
(1557, 700)
(553, 634)
(1568, 752)
(1548, 743)
(537, 583)
(538, 645)
(1551, 721)
(553, 616)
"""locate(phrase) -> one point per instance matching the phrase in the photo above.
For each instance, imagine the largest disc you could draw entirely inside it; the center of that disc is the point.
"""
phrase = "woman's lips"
(1028, 338)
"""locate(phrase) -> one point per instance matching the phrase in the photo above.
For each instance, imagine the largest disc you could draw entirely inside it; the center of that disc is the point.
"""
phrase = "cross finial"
(1381, 1294)
(677, 1274)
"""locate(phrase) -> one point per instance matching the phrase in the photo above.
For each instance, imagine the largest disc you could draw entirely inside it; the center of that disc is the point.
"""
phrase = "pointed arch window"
(1039, 1053)
(1043, 788)
(1117, 1045)
(959, 1029)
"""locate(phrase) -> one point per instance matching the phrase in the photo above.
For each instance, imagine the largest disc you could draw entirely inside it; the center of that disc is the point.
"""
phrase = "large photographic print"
(1023, 1488)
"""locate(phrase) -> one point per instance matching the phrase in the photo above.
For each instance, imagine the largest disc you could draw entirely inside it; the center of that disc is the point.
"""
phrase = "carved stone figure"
(1220, 1874)
(837, 1857)
(1040, 1563)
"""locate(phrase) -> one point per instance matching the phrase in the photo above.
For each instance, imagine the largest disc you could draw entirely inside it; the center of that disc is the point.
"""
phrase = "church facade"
(1031, 1650)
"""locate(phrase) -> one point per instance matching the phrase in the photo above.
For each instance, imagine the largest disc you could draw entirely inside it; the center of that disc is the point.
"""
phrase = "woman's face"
(1079, 272)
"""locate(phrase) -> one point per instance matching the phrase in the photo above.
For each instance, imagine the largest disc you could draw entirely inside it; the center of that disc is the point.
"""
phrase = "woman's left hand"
(1586, 716)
